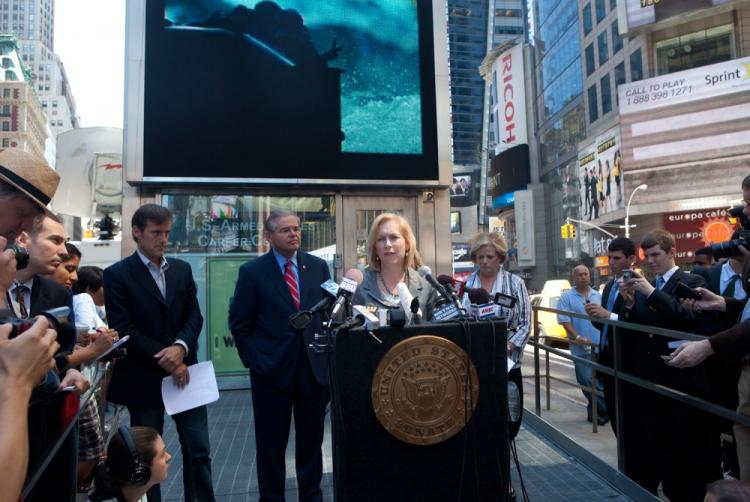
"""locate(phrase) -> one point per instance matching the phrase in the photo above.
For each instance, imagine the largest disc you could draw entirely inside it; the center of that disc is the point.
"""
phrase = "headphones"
(140, 473)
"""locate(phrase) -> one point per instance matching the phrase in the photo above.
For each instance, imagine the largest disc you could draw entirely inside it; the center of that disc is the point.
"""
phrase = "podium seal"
(425, 390)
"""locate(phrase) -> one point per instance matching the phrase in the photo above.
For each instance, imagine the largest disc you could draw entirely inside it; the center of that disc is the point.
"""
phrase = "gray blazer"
(368, 293)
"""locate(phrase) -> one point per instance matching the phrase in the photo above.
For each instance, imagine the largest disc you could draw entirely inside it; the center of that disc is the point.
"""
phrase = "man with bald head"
(582, 335)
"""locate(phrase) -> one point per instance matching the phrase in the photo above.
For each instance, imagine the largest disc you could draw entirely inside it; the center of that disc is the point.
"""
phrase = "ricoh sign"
(509, 98)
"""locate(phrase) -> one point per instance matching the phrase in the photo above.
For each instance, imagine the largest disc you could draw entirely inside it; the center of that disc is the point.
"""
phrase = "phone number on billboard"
(655, 93)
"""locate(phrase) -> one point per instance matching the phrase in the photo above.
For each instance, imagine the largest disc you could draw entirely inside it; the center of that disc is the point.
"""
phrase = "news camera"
(22, 255)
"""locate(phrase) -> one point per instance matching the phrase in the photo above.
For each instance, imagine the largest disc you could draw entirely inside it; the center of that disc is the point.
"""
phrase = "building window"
(6, 142)
(10, 75)
(612, 4)
(593, 106)
(8, 63)
(620, 74)
(590, 63)
(617, 42)
(6, 125)
(6, 110)
(606, 94)
(603, 48)
(695, 49)
(636, 66)
(587, 23)
(6, 92)
(508, 13)
(601, 11)
(508, 30)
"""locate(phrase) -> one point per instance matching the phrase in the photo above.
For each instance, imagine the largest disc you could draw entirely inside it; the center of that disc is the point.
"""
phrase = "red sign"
(696, 229)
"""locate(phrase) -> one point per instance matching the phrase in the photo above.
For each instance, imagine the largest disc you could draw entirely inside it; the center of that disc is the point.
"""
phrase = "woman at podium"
(393, 259)
(488, 251)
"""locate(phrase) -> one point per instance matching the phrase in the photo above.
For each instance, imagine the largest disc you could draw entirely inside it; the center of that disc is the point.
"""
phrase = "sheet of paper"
(201, 390)
(511, 363)
(676, 343)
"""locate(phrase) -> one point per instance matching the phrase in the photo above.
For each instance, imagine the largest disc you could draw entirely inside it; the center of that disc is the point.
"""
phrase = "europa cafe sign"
(696, 229)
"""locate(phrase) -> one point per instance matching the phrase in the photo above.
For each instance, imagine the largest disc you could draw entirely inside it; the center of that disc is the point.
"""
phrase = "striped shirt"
(518, 318)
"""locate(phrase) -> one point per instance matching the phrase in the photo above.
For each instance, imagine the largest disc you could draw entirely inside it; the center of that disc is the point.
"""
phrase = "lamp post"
(627, 208)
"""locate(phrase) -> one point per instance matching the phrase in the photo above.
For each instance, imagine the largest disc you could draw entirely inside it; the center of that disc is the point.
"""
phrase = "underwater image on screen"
(375, 44)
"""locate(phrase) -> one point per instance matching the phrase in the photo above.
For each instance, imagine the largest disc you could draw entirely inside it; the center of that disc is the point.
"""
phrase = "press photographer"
(27, 185)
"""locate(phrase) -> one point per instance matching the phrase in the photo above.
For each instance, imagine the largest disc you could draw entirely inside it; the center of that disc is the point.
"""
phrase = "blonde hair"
(412, 258)
(492, 239)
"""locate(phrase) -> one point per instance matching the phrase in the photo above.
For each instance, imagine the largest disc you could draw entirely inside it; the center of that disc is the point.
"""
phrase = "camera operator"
(27, 185)
(680, 446)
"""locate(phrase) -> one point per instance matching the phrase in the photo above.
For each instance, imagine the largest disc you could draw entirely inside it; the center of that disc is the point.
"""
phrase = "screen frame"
(435, 120)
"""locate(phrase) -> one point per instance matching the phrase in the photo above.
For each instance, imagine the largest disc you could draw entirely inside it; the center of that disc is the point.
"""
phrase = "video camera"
(730, 248)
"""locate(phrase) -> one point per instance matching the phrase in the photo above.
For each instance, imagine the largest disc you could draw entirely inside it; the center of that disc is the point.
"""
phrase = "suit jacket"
(663, 310)
(47, 294)
(259, 318)
(136, 308)
(368, 293)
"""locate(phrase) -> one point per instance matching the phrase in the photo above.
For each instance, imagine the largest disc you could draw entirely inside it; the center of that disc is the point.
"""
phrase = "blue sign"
(503, 201)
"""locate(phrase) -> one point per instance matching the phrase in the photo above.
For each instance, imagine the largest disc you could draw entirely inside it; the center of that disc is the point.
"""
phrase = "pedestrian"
(583, 338)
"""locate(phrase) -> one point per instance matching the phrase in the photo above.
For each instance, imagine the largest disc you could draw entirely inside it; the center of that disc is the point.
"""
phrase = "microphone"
(371, 320)
(482, 306)
(425, 272)
(347, 287)
(406, 299)
(447, 282)
(300, 320)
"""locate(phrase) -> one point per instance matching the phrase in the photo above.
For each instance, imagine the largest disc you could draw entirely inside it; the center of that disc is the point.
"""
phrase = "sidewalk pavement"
(548, 473)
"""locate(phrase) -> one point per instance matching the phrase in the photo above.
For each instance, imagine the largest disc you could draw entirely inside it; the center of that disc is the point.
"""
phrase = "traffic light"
(564, 231)
(572, 230)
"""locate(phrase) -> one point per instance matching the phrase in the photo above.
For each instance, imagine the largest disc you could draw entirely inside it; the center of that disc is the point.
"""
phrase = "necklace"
(385, 288)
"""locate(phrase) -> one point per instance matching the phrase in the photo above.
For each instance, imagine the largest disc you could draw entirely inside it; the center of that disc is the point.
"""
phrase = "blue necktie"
(610, 305)
(660, 282)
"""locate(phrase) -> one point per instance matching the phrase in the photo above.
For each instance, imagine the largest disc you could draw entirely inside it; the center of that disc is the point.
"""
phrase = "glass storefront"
(217, 234)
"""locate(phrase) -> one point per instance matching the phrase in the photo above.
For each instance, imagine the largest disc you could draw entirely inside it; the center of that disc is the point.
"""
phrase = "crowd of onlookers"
(669, 443)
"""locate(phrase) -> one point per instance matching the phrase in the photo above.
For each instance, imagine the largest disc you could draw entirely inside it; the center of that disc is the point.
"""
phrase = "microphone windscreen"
(478, 296)
(424, 270)
(354, 274)
(445, 279)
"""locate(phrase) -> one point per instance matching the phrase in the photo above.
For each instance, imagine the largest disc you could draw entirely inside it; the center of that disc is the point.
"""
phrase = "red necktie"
(291, 283)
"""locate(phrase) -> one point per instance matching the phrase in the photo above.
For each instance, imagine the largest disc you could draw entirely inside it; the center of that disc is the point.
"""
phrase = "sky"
(90, 40)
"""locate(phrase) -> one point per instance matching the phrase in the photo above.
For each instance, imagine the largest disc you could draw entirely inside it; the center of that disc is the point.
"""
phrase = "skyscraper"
(32, 23)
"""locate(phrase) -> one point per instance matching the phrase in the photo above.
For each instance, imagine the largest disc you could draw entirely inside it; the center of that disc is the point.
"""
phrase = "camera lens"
(22, 256)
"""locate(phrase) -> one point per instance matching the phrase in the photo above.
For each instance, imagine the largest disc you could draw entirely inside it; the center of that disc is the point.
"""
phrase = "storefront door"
(357, 216)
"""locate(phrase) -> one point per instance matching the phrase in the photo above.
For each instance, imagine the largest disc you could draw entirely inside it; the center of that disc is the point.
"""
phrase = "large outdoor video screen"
(275, 90)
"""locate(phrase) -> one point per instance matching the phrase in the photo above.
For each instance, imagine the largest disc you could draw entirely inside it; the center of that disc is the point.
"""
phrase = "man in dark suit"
(29, 296)
(621, 255)
(680, 446)
(154, 301)
(287, 377)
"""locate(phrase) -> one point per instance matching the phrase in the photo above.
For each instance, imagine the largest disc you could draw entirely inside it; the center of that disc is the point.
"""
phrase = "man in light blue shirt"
(582, 335)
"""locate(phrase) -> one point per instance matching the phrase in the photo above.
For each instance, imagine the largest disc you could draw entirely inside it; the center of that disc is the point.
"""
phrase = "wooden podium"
(427, 379)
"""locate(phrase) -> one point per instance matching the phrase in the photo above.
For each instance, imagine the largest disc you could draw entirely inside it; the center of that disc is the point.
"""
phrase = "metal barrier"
(617, 373)
(38, 470)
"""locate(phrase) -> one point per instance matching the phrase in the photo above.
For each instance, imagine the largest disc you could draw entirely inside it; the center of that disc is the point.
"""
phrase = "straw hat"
(29, 174)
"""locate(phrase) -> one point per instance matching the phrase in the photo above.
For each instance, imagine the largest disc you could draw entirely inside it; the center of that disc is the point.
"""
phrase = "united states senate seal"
(425, 390)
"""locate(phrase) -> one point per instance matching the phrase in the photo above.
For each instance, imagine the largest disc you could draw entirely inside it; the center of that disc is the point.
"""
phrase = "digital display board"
(267, 91)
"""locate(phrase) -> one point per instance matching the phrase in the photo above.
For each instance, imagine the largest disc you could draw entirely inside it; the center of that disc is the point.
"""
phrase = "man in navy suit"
(154, 301)
(287, 377)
